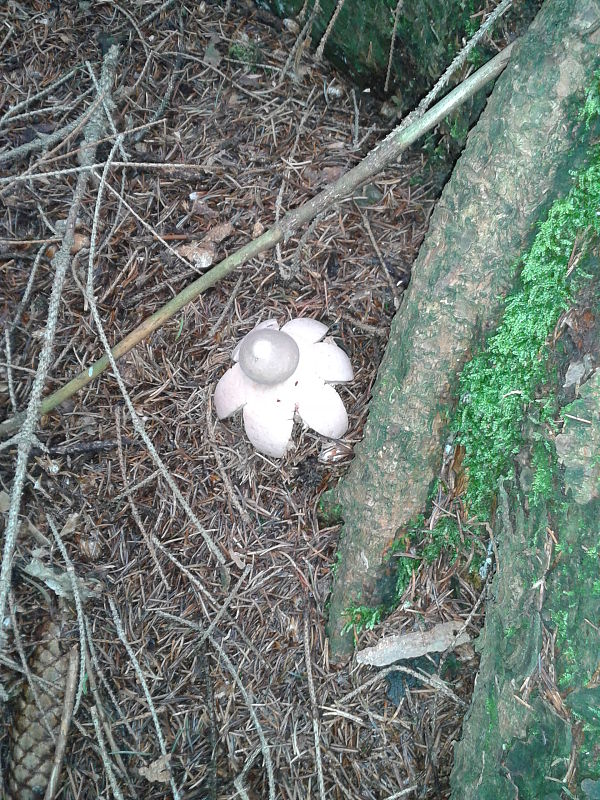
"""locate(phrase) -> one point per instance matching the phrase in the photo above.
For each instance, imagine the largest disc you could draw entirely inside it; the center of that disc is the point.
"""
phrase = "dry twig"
(140, 676)
(61, 261)
(313, 705)
(328, 29)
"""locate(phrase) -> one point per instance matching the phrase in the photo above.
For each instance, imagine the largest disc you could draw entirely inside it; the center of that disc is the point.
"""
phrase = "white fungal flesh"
(269, 433)
(268, 356)
(305, 330)
(280, 372)
(230, 394)
(323, 411)
(331, 363)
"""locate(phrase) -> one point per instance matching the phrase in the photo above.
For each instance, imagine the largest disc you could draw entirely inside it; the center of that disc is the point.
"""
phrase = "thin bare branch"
(61, 262)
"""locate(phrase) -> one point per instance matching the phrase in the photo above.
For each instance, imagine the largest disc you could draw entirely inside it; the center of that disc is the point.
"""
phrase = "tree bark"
(514, 165)
(358, 43)
(533, 723)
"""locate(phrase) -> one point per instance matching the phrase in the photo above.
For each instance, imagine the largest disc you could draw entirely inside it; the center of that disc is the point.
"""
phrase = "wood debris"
(412, 645)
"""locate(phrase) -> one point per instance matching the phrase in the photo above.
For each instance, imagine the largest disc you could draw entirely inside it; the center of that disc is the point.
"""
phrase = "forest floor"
(235, 662)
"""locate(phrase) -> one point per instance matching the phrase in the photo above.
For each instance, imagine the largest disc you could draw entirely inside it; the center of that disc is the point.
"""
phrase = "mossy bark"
(534, 723)
(515, 164)
(427, 37)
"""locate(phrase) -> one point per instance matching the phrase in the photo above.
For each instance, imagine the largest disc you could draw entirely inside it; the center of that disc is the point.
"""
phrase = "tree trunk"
(515, 164)
(534, 722)
(360, 39)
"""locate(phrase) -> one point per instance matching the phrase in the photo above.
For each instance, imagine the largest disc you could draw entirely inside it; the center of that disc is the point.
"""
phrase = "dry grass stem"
(313, 705)
(117, 794)
(388, 73)
(328, 29)
(140, 676)
(264, 747)
(68, 528)
(133, 507)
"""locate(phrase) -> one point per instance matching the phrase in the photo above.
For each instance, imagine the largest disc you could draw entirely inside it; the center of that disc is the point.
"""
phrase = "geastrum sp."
(282, 373)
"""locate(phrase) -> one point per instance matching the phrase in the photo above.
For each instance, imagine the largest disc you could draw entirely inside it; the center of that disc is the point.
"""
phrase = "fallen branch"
(385, 153)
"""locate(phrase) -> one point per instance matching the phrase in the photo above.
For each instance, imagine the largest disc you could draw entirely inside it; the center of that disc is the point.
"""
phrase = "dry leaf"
(58, 581)
(201, 255)
(412, 645)
(211, 54)
(201, 209)
(158, 771)
(80, 240)
(29, 528)
(332, 452)
(90, 545)
(237, 559)
(219, 232)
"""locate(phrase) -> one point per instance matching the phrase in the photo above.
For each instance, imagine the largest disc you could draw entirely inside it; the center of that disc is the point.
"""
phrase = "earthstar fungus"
(280, 375)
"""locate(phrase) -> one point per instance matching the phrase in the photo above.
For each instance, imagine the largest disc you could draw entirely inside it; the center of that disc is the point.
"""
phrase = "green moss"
(405, 569)
(361, 618)
(543, 462)
(329, 509)
(444, 538)
(591, 109)
(498, 384)
(510, 632)
(336, 563)
(491, 706)
(246, 52)
(560, 618)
